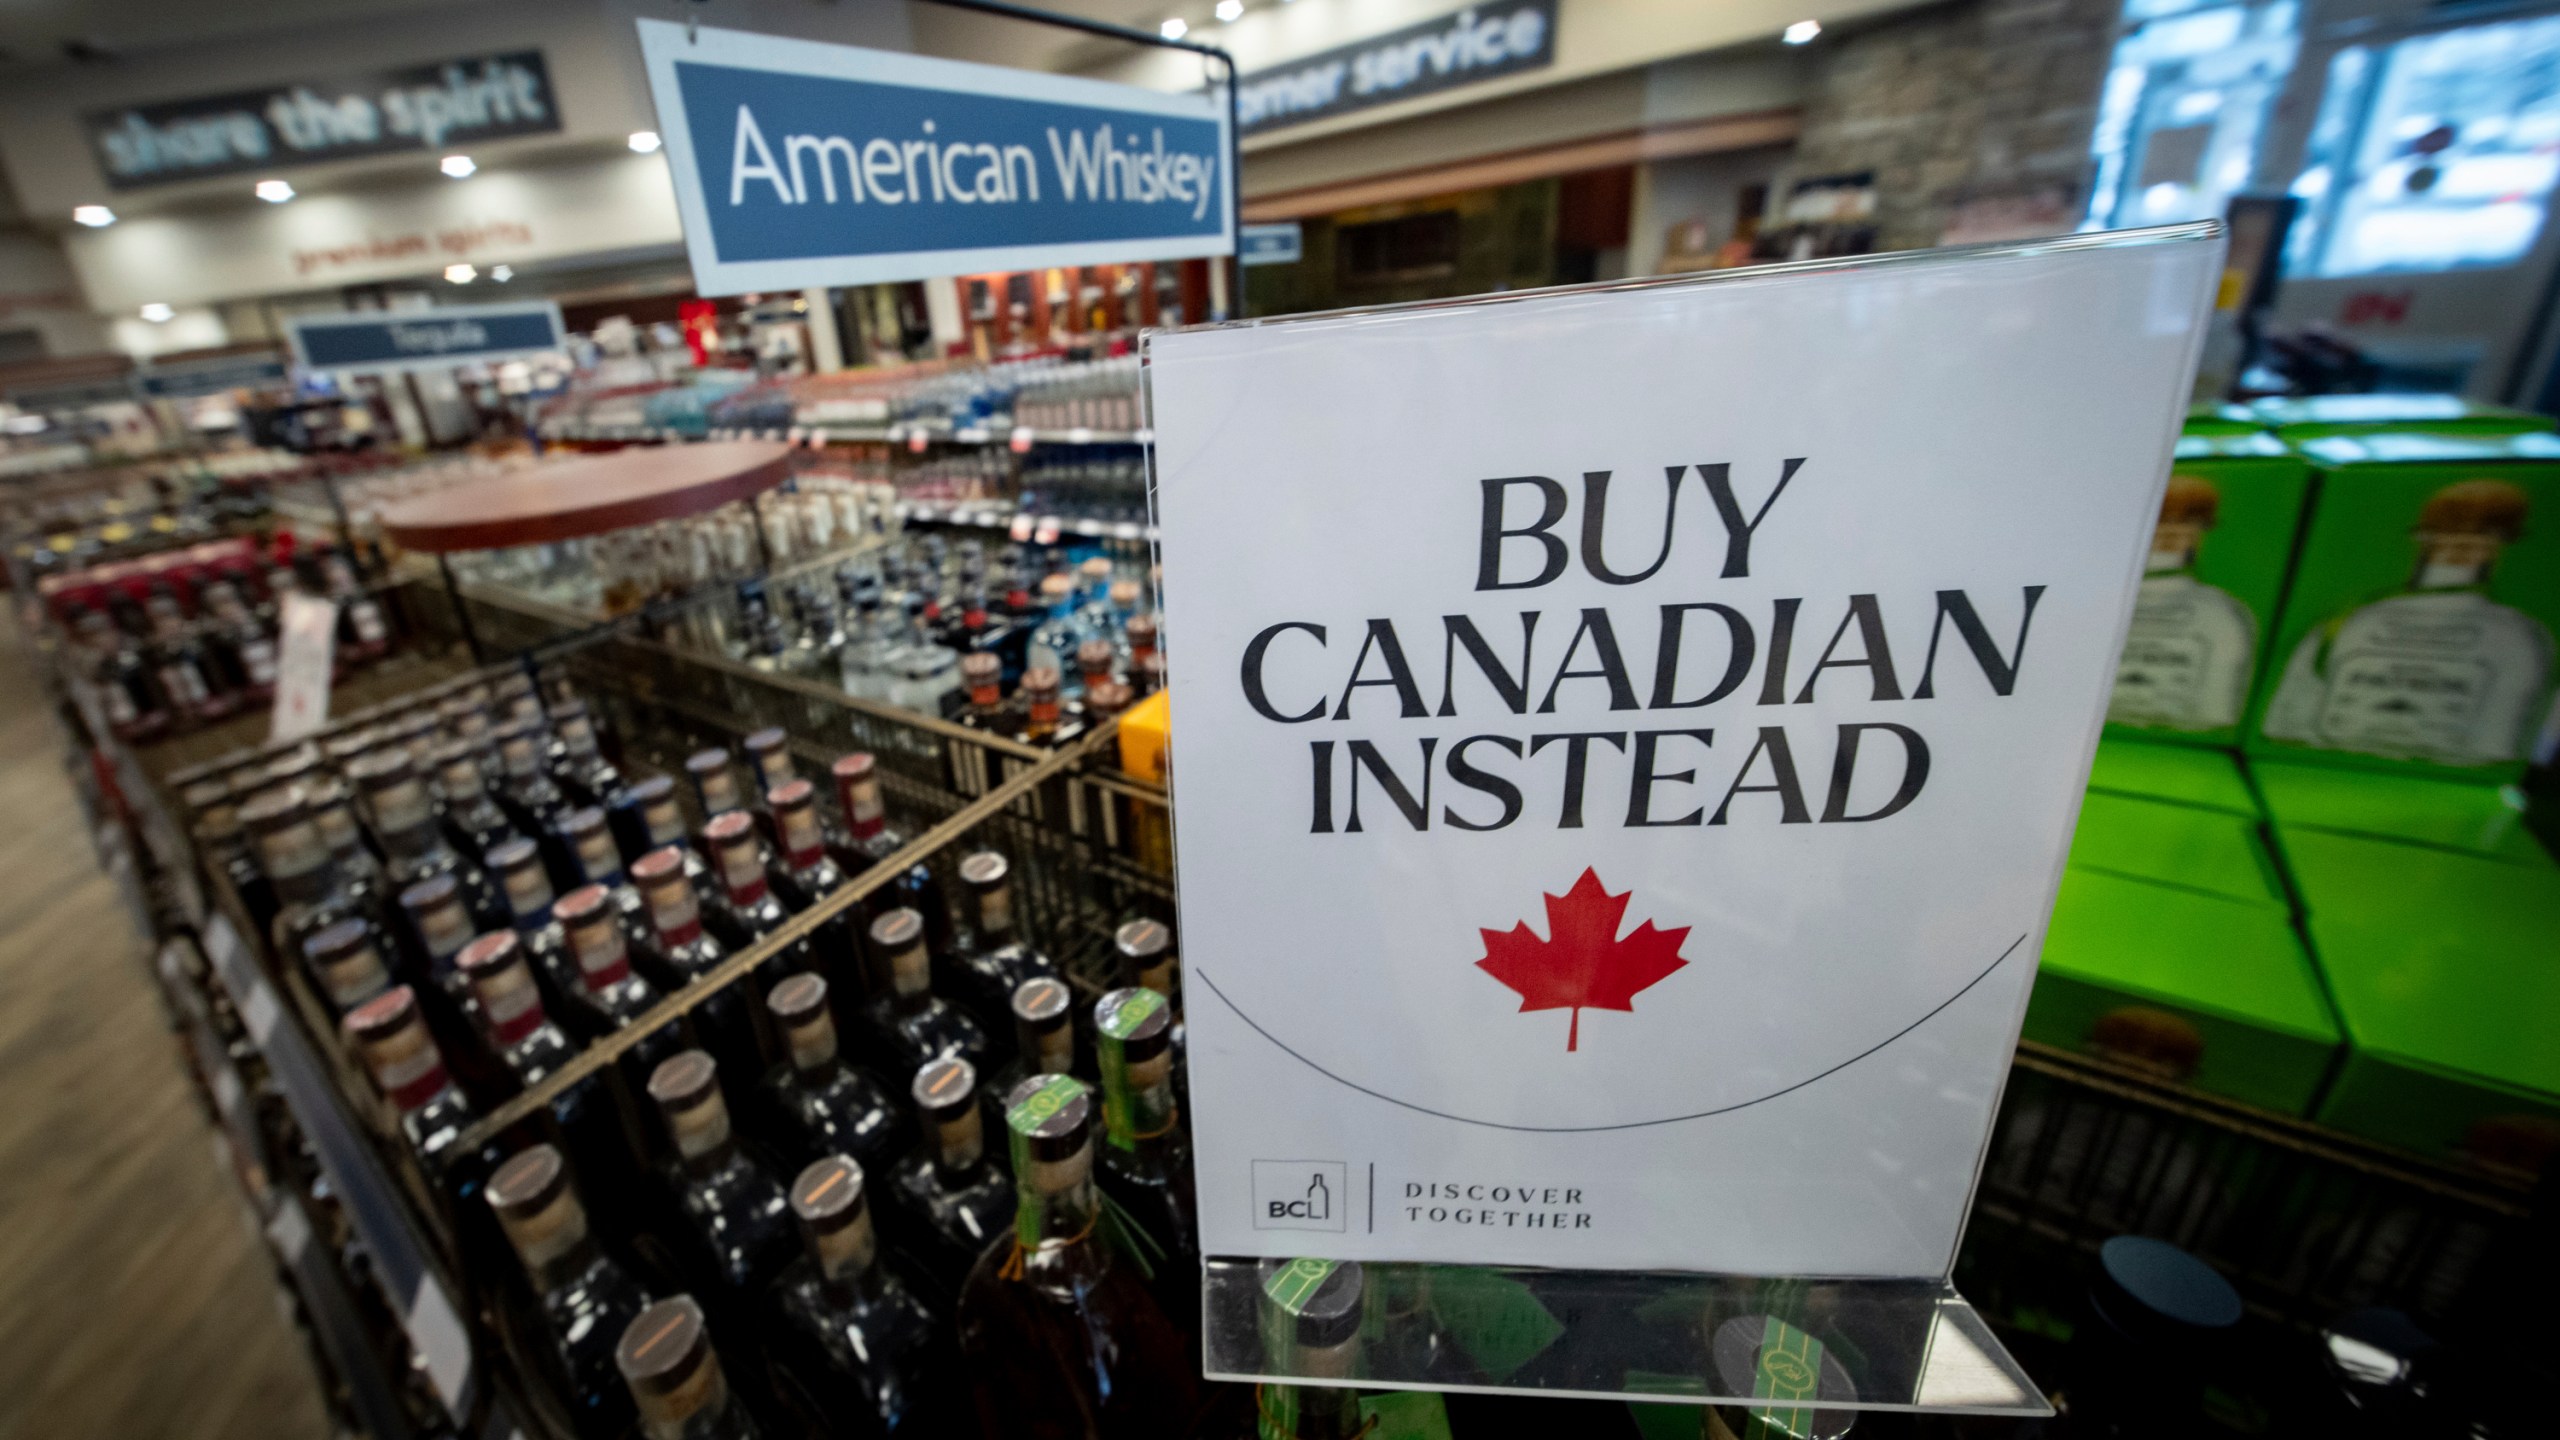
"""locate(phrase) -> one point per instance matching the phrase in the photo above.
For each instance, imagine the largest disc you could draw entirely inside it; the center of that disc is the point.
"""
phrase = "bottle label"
(1293, 1284)
(676, 913)
(597, 856)
(911, 970)
(775, 765)
(602, 956)
(862, 808)
(742, 870)
(337, 828)
(446, 929)
(528, 890)
(401, 807)
(413, 1079)
(995, 910)
(813, 1042)
(509, 1000)
(354, 978)
(719, 792)
(462, 778)
(801, 839)
(666, 827)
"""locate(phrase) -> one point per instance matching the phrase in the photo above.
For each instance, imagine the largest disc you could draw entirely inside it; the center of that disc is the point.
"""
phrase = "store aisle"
(134, 1300)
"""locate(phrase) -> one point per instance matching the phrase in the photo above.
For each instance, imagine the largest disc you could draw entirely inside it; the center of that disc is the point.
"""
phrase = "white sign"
(306, 649)
(1630, 739)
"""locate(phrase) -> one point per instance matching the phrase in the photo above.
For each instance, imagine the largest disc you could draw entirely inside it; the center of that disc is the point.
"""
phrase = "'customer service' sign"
(798, 163)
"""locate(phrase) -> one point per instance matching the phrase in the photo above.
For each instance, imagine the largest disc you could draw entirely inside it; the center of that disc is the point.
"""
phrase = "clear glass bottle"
(740, 1223)
(868, 1344)
(912, 1024)
(827, 1107)
(675, 1378)
(1312, 1314)
(952, 1195)
(586, 1299)
(1052, 1321)
(1146, 1156)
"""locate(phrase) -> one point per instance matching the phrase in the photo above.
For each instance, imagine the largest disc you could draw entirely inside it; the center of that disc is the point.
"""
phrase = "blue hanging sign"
(387, 341)
(1282, 243)
(798, 163)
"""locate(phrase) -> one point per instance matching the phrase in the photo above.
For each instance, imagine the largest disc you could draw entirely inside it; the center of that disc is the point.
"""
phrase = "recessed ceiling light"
(96, 217)
(1230, 11)
(502, 273)
(1802, 32)
(644, 142)
(457, 166)
(275, 192)
(462, 274)
(157, 313)
(1175, 28)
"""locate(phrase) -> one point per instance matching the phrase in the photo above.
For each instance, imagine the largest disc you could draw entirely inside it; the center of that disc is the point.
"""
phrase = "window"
(2185, 100)
(1398, 251)
(2434, 153)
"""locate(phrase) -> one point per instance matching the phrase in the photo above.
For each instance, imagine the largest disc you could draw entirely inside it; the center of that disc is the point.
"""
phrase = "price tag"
(1143, 435)
(1048, 531)
(226, 1091)
(442, 1344)
(916, 440)
(307, 642)
(1021, 441)
(1079, 435)
(1021, 530)
(260, 1014)
(290, 1231)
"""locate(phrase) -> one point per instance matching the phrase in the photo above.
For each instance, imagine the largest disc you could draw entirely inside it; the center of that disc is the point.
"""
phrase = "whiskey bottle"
(226, 849)
(1311, 1327)
(950, 1192)
(511, 1008)
(576, 758)
(650, 821)
(913, 1024)
(472, 820)
(979, 702)
(1044, 1034)
(357, 865)
(740, 1223)
(684, 954)
(586, 1299)
(2440, 671)
(2188, 657)
(440, 926)
(827, 1107)
(989, 960)
(527, 884)
(1060, 1335)
(1095, 660)
(769, 759)
(600, 864)
(675, 1379)
(1044, 717)
(310, 897)
(412, 835)
(614, 996)
(1146, 1158)
(530, 798)
(1145, 674)
(1147, 961)
(346, 964)
(743, 909)
(868, 839)
(715, 784)
(865, 1341)
(806, 873)
(391, 1036)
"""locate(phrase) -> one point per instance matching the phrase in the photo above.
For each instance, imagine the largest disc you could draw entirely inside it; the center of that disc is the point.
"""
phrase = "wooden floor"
(135, 1301)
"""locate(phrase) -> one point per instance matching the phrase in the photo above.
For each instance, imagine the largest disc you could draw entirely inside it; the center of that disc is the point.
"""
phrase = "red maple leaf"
(1584, 963)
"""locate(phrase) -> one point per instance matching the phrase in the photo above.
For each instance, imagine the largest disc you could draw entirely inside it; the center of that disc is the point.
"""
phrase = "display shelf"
(571, 499)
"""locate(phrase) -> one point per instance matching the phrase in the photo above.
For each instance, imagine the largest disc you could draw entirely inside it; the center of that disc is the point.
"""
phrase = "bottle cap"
(702, 764)
(1095, 655)
(490, 953)
(792, 794)
(898, 929)
(944, 1087)
(684, 1080)
(828, 1195)
(582, 822)
(388, 1013)
(984, 869)
(980, 667)
(1050, 1117)
(1042, 1002)
(1141, 631)
(427, 894)
(1144, 939)
(797, 998)
(729, 827)
(1136, 1022)
(1321, 1299)
(658, 866)
(580, 905)
(857, 765)
(1105, 698)
(530, 1180)
(512, 854)
(665, 1349)
(1039, 683)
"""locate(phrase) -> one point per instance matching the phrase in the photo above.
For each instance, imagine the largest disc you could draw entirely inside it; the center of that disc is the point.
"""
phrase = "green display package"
(2185, 774)
(2222, 420)
(2225, 537)
(2485, 820)
(2314, 417)
(2217, 993)
(2212, 852)
(2417, 633)
(2446, 978)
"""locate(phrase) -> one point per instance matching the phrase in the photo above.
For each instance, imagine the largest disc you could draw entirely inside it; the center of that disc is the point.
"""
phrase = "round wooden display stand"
(590, 495)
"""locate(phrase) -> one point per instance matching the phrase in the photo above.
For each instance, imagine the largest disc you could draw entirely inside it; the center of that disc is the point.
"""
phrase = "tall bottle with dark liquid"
(528, 795)
(1146, 1157)
(739, 1222)
(715, 782)
(1060, 1333)
(346, 964)
(511, 1008)
(615, 996)
(600, 863)
(827, 1106)
(950, 1193)
(1311, 1327)
(1044, 1034)
(391, 1037)
(743, 907)
(310, 896)
(675, 1378)
(576, 758)
(1147, 962)
(473, 820)
(868, 839)
(684, 954)
(586, 1299)
(331, 811)
(989, 958)
(913, 1025)
(527, 884)
(866, 1342)
(647, 818)
(414, 846)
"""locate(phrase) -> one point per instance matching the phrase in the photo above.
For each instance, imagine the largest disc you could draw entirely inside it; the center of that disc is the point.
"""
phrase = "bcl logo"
(1299, 1195)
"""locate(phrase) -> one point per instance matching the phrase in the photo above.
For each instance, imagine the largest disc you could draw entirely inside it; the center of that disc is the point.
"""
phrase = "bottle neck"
(1055, 1206)
(1138, 1111)
(995, 915)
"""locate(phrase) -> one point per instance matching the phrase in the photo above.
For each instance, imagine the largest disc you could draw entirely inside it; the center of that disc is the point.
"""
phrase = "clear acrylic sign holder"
(1800, 1353)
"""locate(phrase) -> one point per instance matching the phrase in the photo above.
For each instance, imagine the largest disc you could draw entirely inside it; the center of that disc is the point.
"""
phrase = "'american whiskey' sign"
(1629, 740)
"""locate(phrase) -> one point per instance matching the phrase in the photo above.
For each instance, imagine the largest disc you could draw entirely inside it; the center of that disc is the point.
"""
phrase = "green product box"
(2193, 987)
(2484, 820)
(2222, 420)
(2416, 635)
(2225, 537)
(2314, 417)
(2211, 852)
(2184, 774)
(2445, 975)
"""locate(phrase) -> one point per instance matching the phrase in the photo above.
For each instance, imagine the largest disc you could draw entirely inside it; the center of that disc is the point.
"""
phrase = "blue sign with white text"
(799, 163)
(424, 339)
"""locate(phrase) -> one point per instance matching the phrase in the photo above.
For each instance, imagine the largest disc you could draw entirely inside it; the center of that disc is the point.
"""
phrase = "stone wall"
(1976, 100)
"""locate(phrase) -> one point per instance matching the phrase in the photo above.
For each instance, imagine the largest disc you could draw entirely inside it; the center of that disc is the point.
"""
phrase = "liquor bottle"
(310, 895)
(518, 866)
(1054, 640)
(2188, 656)
(912, 1024)
(414, 846)
(528, 795)
(327, 797)
(600, 863)
(615, 996)
(1053, 1323)
(1146, 1157)
(741, 1225)
(472, 820)
(715, 784)
(239, 644)
(1044, 1035)
(649, 820)
(1147, 961)
(684, 954)
(440, 926)
(1095, 660)
(1141, 633)
(391, 1035)
(769, 759)
(674, 1377)
(346, 964)
(826, 1106)
(1311, 1326)
(577, 759)
(806, 873)
(952, 1195)
(867, 839)
(586, 1299)
(363, 633)
(867, 1344)
(744, 909)
(989, 959)
(226, 849)
(2438, 671)
(518, 700)
(511, 1008)
(979, 703)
